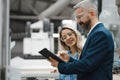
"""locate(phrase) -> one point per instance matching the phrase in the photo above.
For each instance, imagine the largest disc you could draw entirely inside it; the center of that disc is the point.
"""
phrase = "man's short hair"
(117, 2)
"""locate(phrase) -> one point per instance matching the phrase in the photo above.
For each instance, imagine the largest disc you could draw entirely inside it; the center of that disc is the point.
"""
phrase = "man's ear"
(92, 12)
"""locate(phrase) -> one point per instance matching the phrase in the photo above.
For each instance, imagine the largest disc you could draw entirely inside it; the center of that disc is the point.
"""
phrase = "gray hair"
(86, 4)
(117, 2)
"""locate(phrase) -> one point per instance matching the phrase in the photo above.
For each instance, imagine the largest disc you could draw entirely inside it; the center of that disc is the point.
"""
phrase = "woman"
(70, 41)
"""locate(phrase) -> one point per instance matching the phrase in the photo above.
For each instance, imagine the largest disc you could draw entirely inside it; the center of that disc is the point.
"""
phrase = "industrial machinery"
(109, 16)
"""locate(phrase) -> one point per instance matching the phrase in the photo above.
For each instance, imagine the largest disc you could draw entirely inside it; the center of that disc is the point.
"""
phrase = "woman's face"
(68, 37)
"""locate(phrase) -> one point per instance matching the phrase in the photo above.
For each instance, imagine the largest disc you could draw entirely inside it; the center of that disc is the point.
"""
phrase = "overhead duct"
(54, 9)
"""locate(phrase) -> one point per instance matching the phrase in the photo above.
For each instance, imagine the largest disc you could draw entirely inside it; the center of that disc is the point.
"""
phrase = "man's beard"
(85, 26)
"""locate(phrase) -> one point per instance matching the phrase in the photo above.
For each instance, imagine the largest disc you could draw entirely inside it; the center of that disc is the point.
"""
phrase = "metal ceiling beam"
(54, 9)
(23, 17)
(36, 17)
(31, 8)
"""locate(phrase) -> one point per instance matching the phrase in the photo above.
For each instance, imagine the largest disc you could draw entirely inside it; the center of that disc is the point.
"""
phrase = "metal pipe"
(0, 38)
(5, 48)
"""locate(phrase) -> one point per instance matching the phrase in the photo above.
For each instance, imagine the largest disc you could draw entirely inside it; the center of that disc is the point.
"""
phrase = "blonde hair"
(77, 34)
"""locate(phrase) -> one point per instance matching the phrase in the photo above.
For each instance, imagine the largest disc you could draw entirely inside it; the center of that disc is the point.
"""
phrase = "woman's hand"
(64, 55)
(54, 71)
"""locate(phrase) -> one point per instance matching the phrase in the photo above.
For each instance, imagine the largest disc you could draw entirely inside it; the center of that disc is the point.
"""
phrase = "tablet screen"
(46, 53)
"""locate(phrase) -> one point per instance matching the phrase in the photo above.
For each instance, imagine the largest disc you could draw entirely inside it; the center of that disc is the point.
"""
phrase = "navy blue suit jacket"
(96, 59)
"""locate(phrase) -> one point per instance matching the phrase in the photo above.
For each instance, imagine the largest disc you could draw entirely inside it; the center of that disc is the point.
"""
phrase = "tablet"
(46, 53)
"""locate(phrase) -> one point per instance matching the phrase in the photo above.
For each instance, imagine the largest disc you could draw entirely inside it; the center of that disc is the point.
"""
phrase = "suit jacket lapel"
(88, 39)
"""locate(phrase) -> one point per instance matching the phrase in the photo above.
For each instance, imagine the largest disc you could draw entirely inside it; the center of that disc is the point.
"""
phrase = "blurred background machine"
(110, 17)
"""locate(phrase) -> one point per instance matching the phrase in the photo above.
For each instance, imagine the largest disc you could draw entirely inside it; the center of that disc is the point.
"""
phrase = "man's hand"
(63, 55)
(53, 62)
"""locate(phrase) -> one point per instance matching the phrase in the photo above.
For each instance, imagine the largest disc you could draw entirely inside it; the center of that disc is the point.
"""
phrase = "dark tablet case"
(46, 53)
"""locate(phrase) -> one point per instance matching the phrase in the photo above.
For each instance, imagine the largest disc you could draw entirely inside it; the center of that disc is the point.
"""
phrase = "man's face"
(83, 19)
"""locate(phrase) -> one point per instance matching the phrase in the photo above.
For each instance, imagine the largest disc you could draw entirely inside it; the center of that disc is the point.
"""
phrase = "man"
(118, 6)
(96, 60)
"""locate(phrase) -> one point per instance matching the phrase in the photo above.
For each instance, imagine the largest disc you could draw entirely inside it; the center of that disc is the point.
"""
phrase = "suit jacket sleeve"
(95, 53)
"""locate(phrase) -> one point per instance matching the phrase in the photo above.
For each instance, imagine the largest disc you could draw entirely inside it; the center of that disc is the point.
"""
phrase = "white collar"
(93, 28)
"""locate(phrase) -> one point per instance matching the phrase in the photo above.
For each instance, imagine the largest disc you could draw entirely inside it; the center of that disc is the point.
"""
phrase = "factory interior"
(27, 26)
